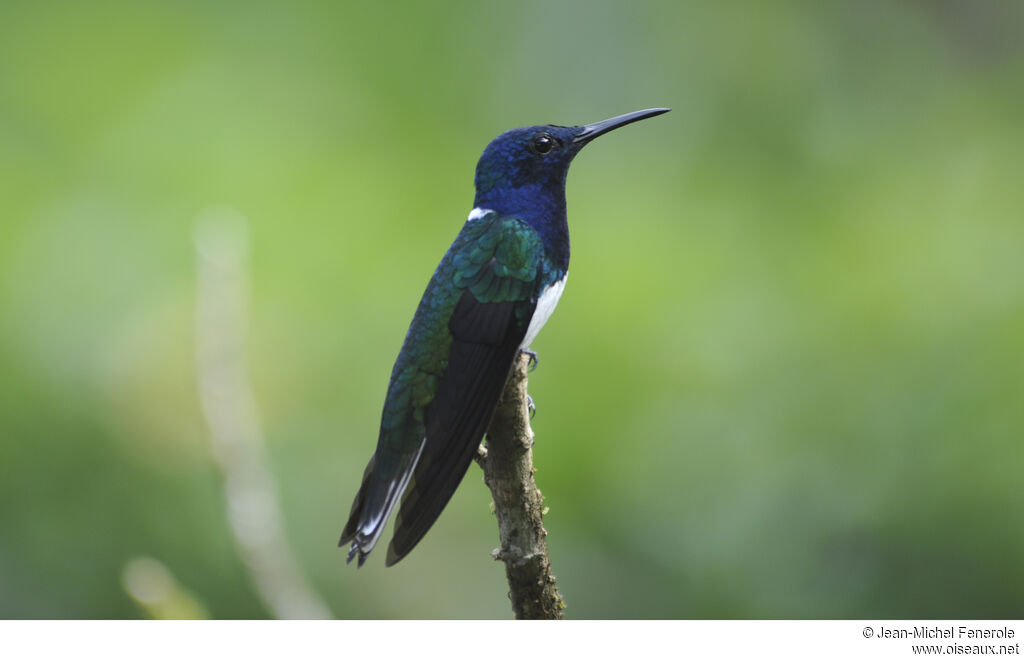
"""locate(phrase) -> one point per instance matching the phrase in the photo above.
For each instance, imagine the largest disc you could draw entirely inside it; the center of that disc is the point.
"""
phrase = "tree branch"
(251, 499)
(508, 468)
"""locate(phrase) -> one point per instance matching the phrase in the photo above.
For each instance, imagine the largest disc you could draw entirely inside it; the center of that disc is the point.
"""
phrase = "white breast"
(545, 306)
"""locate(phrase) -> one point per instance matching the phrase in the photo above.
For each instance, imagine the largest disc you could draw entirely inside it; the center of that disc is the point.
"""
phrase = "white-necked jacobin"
(493, 290)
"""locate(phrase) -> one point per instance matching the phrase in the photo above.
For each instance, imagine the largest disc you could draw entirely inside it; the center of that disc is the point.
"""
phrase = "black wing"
(485, 342)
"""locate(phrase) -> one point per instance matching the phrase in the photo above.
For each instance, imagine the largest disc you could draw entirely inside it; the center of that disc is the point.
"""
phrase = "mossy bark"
(508, 468)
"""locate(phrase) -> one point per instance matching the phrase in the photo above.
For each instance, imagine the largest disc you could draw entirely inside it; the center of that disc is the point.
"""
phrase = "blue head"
(522, 172)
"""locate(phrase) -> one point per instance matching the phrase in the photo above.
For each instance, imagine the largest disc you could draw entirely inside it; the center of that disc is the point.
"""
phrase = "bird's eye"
(543, 144)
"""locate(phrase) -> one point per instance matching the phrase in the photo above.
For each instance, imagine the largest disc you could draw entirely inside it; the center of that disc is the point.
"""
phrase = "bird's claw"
(532, 364)
(530, 406)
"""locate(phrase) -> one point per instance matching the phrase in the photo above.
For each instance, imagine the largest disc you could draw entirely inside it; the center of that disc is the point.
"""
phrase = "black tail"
(351, 531)
(377, 497)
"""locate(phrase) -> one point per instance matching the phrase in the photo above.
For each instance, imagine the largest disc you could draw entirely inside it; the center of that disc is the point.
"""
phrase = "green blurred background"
(785, 379)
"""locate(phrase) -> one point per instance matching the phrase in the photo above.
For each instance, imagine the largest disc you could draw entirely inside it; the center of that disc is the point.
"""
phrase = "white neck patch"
(478, 213)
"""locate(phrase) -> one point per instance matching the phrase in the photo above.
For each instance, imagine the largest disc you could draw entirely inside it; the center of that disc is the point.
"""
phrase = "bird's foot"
(530, 406)
(532, 364)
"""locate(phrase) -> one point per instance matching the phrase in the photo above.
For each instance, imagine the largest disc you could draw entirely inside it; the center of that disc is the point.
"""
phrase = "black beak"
(591, 131)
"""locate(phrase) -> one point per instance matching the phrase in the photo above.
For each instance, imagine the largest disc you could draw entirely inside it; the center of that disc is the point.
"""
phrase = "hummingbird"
(494, 289)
